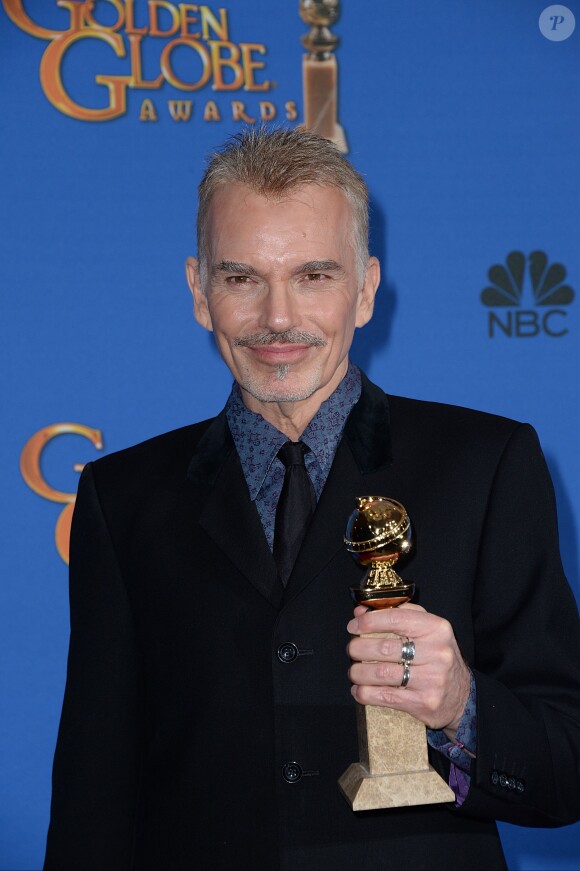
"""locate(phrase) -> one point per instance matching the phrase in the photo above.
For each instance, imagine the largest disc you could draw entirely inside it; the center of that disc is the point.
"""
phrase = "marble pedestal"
(394, 769)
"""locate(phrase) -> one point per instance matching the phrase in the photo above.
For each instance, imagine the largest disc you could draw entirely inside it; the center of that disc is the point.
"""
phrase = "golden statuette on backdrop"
(393, 770)
(320, 70)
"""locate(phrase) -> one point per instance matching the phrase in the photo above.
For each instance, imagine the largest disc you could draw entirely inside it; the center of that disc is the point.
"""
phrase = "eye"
(238, 280)
(315, 276)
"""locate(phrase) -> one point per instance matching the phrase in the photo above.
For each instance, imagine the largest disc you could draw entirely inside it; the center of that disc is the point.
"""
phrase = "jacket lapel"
(228, 516)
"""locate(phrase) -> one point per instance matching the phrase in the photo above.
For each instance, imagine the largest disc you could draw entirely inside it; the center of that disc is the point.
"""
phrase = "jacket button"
(287, 652)
(292, 772)
(520, 786)
(494, 778)
(503, 780)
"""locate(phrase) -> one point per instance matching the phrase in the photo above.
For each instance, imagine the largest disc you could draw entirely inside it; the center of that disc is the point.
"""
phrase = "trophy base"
(336, 134)
(365, 792)
(339, 138)
(319, 77)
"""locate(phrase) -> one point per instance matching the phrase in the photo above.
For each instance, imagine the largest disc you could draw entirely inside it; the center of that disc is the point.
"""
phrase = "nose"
(279, 307)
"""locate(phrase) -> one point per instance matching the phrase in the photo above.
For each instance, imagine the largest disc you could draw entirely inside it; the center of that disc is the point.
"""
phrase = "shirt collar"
(257, 441)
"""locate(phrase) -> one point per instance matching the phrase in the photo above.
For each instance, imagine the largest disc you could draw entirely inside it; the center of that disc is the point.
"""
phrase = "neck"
(292, 418)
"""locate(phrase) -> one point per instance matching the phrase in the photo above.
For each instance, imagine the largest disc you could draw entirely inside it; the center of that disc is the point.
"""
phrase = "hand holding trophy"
(393, 770)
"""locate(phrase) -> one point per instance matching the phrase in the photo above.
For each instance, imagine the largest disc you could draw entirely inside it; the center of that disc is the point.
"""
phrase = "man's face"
(282, 294)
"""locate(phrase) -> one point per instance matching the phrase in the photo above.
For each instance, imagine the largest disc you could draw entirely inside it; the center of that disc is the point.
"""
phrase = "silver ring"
(406, 674)
(407, 651)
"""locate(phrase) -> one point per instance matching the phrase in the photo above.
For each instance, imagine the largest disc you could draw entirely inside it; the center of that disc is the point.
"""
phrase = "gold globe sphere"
(378, 533)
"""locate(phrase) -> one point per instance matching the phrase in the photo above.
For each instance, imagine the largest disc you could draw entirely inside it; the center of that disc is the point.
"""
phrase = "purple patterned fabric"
(456, 751)
(257, 443)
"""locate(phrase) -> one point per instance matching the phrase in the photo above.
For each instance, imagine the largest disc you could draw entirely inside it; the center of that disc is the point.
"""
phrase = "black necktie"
(295, 508)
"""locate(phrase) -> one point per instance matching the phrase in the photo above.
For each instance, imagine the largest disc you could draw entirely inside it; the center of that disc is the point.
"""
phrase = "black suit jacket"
(179, 716)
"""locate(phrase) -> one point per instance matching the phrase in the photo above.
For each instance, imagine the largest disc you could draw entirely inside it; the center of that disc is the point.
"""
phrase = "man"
(207, 714)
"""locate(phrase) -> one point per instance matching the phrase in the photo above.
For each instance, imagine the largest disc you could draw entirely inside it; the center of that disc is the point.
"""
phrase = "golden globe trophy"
(393, 770)
(320, 71)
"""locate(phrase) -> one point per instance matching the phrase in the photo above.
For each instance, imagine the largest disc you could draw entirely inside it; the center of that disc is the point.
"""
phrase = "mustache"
(285, 337)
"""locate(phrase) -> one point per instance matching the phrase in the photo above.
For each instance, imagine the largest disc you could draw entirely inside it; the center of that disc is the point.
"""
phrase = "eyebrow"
(319, 266)
(233, 266)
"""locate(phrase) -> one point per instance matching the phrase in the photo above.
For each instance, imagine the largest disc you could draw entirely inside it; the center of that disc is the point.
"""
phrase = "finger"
(399, 698)
(421, 703)
(404, 621)
(376, 683)
(363, 649)
(378, 674)
(362, 610)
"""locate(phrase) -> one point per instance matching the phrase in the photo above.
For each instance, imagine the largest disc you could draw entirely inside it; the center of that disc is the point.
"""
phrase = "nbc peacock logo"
(523, 282)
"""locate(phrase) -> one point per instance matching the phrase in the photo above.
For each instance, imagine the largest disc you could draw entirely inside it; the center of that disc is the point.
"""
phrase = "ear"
(366, 296)
(200, 306)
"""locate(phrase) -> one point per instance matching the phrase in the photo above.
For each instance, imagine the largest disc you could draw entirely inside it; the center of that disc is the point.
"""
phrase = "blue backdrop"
(463, 117)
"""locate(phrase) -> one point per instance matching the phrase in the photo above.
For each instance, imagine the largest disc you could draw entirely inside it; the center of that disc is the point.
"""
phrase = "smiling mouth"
(279, 354)
(280, 349)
